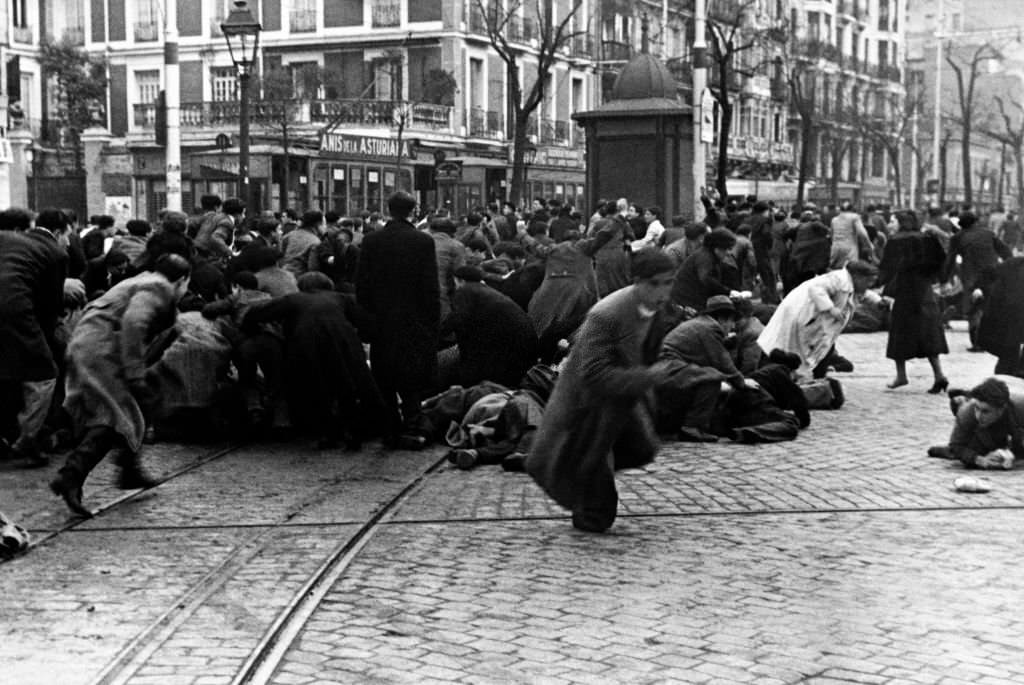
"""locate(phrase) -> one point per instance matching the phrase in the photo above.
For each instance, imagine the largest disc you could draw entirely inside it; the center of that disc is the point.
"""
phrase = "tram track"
(253, 542)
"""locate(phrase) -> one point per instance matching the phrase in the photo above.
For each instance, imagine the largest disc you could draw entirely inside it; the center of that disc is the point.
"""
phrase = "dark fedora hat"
(719, 303)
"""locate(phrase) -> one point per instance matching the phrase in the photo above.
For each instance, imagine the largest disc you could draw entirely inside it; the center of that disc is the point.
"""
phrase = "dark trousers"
(265, 352)
(693, 407)
(402, 404)
(769, 290)
(95, 445)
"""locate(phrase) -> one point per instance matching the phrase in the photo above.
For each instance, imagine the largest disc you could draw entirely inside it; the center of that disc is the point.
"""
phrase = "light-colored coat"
(108, 351)
(848, 234)
(803, 325)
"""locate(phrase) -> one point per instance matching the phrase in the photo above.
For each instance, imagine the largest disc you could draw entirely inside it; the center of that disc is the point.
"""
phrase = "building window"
(225, 82)
(813, 26)
(148, 84)
(19, 14)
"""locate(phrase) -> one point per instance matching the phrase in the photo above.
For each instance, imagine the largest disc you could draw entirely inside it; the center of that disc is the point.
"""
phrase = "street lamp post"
(242, 33)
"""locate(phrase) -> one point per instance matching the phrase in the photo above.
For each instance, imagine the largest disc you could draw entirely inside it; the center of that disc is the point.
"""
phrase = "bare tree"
(281, 108)
(966, 74)
(890, 129)
(1011, 134)
(803, 90)
(507, 30)
(728, 37)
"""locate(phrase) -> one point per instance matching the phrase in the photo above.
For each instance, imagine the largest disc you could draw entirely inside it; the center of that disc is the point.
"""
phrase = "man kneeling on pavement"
(709, 396)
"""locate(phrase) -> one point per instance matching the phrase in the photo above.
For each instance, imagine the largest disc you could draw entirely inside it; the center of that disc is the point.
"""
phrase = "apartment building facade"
(378, 92)
(965, 27)
(851, 50)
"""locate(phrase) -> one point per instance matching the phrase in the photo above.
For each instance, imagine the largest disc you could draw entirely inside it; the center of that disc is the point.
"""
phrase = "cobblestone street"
(845, 556)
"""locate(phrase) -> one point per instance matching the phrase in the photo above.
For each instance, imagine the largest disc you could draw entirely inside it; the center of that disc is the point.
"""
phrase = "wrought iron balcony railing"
(383, 113)
(385, 13)
(23, 34)
(146, 31)
(302, 20)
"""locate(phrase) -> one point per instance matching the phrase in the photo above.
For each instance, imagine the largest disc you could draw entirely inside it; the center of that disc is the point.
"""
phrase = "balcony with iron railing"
(521, 29)
(302, 20)
(855, 9)
(616, 51)
(22, 34)
(369, 113)
(681, 70)
(819, 49)
(145, 31)
(581, 47)
(484, 124)
(729, 11)
(554, 132)
(384, 13)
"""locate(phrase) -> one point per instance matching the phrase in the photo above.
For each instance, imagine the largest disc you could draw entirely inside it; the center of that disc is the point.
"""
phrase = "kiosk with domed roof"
(640, 142)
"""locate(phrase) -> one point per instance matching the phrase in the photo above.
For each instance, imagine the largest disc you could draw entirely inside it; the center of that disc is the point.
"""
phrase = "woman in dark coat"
(911, 264)
(1001, 331)
(328, 385)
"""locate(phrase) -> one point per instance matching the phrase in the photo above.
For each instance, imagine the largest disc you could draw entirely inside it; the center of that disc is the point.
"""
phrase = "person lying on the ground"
(774, 411)
(989, 428)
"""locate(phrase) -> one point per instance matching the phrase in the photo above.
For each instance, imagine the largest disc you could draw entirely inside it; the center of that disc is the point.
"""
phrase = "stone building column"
(20, 167)
(94, 140)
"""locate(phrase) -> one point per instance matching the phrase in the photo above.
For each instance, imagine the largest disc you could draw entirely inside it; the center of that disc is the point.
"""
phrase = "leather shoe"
(689, 434)
(71, 494)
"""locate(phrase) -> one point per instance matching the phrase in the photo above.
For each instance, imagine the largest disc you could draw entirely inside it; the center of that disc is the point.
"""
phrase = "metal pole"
(243, 140)
(172, 95)
(912, 191)
(937, 125)
(699, 83)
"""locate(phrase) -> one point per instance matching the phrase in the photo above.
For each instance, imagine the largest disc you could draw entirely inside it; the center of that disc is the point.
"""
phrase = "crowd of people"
(547, 341)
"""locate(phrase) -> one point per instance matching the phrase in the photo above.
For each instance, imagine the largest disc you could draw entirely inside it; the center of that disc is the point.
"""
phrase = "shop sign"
(362, 146)
(448, 172)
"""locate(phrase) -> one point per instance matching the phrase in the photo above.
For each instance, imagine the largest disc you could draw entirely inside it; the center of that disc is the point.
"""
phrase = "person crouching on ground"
(813, 314)
(989, 428)
(108, 395)
(598, 418)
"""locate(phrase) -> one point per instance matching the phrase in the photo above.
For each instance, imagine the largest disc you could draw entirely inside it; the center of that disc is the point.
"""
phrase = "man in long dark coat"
(495, 337)
(31, 282)
(327, 384)
(397, 285)
(598, 418)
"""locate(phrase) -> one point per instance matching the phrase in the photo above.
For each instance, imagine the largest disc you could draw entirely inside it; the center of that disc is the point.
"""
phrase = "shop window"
(357, 191)
(339, 189)
(374, 182)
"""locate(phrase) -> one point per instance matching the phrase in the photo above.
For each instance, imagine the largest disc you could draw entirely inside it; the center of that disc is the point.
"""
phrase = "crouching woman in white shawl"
(814, 313)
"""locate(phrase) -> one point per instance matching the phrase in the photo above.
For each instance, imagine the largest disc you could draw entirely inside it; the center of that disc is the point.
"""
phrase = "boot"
(132, 476)
(71, 491)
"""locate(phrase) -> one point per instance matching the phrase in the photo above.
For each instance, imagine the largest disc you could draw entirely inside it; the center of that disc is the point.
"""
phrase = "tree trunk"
(1018, 154)
(722, 163)
(287, 169)
(965, 154)
(519, 140)
(806, 148)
